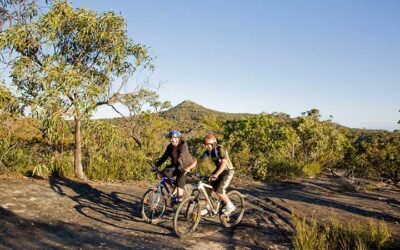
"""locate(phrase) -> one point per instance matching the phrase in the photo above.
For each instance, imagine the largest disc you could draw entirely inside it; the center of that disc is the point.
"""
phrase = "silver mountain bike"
(188, 214)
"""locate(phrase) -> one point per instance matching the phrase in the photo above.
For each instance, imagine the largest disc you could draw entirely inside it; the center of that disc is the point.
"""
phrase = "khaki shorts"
(221, 184)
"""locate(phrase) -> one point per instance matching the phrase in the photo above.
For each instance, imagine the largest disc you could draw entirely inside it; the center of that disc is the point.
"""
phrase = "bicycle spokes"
(153, 205)
(187, 217)
(236, 216)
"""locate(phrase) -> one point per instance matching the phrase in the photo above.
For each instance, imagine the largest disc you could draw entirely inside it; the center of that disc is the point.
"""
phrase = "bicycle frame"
(201, 186)
(163, 184)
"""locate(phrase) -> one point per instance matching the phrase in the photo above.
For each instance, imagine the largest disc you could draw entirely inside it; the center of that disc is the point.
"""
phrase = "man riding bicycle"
(181, 160)
(223, 173)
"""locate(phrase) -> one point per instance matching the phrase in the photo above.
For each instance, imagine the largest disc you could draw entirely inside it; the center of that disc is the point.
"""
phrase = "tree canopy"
(67, 61)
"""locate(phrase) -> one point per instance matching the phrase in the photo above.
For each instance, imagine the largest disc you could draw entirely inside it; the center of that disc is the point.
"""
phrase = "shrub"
(335, 235)
(311, 169)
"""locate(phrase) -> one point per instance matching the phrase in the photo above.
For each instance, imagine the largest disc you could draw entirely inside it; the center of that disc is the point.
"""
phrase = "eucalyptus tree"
(69, 62)
(12, 12)
(8, 102)
(136, 103)
(15, 12)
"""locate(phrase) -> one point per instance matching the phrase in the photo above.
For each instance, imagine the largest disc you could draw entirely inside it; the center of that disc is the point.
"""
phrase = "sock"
(229, 204)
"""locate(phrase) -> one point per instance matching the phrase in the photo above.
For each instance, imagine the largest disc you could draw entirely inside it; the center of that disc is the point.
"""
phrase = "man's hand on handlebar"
(213, 178)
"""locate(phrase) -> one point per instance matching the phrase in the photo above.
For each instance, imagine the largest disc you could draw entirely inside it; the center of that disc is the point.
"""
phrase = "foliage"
(8, 102)
(260, 142)
(111, 156)
(376, 155)
(67, 60)
(320, 142)
(306, 235)
(139, 118)
(335, 235)
(261, 146)
(16, 12)
(311, 169)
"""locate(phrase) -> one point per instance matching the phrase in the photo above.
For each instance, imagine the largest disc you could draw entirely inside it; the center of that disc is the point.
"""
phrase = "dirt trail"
(62, 213)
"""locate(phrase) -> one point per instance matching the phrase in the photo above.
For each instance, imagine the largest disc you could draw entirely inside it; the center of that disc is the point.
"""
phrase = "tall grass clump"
(310, 235)
(307, 235)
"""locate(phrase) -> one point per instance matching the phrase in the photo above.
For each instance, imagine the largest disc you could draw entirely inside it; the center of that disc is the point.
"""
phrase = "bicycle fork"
(214, 205)
(156, 197)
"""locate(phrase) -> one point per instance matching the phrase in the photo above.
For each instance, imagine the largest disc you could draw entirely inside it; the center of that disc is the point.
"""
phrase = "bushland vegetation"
(61, 73)
(334, 234)
(62, 65)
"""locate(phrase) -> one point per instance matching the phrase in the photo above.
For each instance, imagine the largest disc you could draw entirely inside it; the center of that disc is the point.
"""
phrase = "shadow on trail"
(20, 233)
(374, 196)
(107, 208)
(303, 193)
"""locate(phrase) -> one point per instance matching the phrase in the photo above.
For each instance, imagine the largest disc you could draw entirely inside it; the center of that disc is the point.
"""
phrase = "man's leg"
(224, 198)
(221, 192)
(180, 192)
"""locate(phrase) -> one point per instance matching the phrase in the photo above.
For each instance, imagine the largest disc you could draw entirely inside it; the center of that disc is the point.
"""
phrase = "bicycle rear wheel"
(187, 217)
(236, 216)
(153, 205)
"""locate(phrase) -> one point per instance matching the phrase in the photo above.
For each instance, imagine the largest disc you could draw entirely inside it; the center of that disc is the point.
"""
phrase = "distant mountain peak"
(189, 103)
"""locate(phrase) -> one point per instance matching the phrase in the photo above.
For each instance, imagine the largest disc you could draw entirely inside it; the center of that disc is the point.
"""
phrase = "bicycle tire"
(152, 212)
(188, 211)
(236, 217)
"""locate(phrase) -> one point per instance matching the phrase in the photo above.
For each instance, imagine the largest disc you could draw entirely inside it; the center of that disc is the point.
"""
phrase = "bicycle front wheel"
(153, 205)
(236, 216)
(187, 217)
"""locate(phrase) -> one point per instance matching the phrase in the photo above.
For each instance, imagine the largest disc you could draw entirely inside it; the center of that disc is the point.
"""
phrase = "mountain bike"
(156, 199)
(188, 214)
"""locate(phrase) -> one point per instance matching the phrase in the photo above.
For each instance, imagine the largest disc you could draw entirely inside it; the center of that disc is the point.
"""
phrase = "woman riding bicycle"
(222, 175)
(181, 160)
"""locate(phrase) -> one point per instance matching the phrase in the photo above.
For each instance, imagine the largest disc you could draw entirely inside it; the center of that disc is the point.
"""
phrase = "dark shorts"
(180, 179)
(221, 184)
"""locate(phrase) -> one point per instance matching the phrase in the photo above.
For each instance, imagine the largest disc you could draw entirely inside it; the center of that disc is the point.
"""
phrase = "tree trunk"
(77, 151)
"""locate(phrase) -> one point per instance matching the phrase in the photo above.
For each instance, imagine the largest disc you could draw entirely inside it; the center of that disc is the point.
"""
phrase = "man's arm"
(223, 163)
(203, 156)
(221, 168)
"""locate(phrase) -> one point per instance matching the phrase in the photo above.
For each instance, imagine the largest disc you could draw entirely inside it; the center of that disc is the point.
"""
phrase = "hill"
(189, 115)
(193, 111)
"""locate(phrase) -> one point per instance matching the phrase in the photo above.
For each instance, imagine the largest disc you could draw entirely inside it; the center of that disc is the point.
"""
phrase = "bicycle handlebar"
(198, 176)
(193, 175)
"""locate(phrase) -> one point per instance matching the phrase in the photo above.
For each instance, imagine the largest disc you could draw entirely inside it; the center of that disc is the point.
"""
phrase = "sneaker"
(205, 210)
(227, 210)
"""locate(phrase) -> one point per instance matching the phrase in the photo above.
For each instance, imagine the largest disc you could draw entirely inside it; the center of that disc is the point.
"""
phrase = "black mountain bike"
(157, 199)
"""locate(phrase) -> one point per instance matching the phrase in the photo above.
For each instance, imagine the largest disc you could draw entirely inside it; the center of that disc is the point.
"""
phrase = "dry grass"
(310, 235)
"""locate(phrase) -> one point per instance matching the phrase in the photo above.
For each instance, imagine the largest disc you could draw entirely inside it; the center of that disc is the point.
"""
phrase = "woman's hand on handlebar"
(187, 169)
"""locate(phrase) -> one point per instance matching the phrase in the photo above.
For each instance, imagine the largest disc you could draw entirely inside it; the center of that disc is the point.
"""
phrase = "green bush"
(108, 155)
(260, 141)
(311, 169)
(284, 170)
(15, 156)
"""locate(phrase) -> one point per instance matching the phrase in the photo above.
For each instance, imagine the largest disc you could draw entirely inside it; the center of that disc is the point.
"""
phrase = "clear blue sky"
(342, 57)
